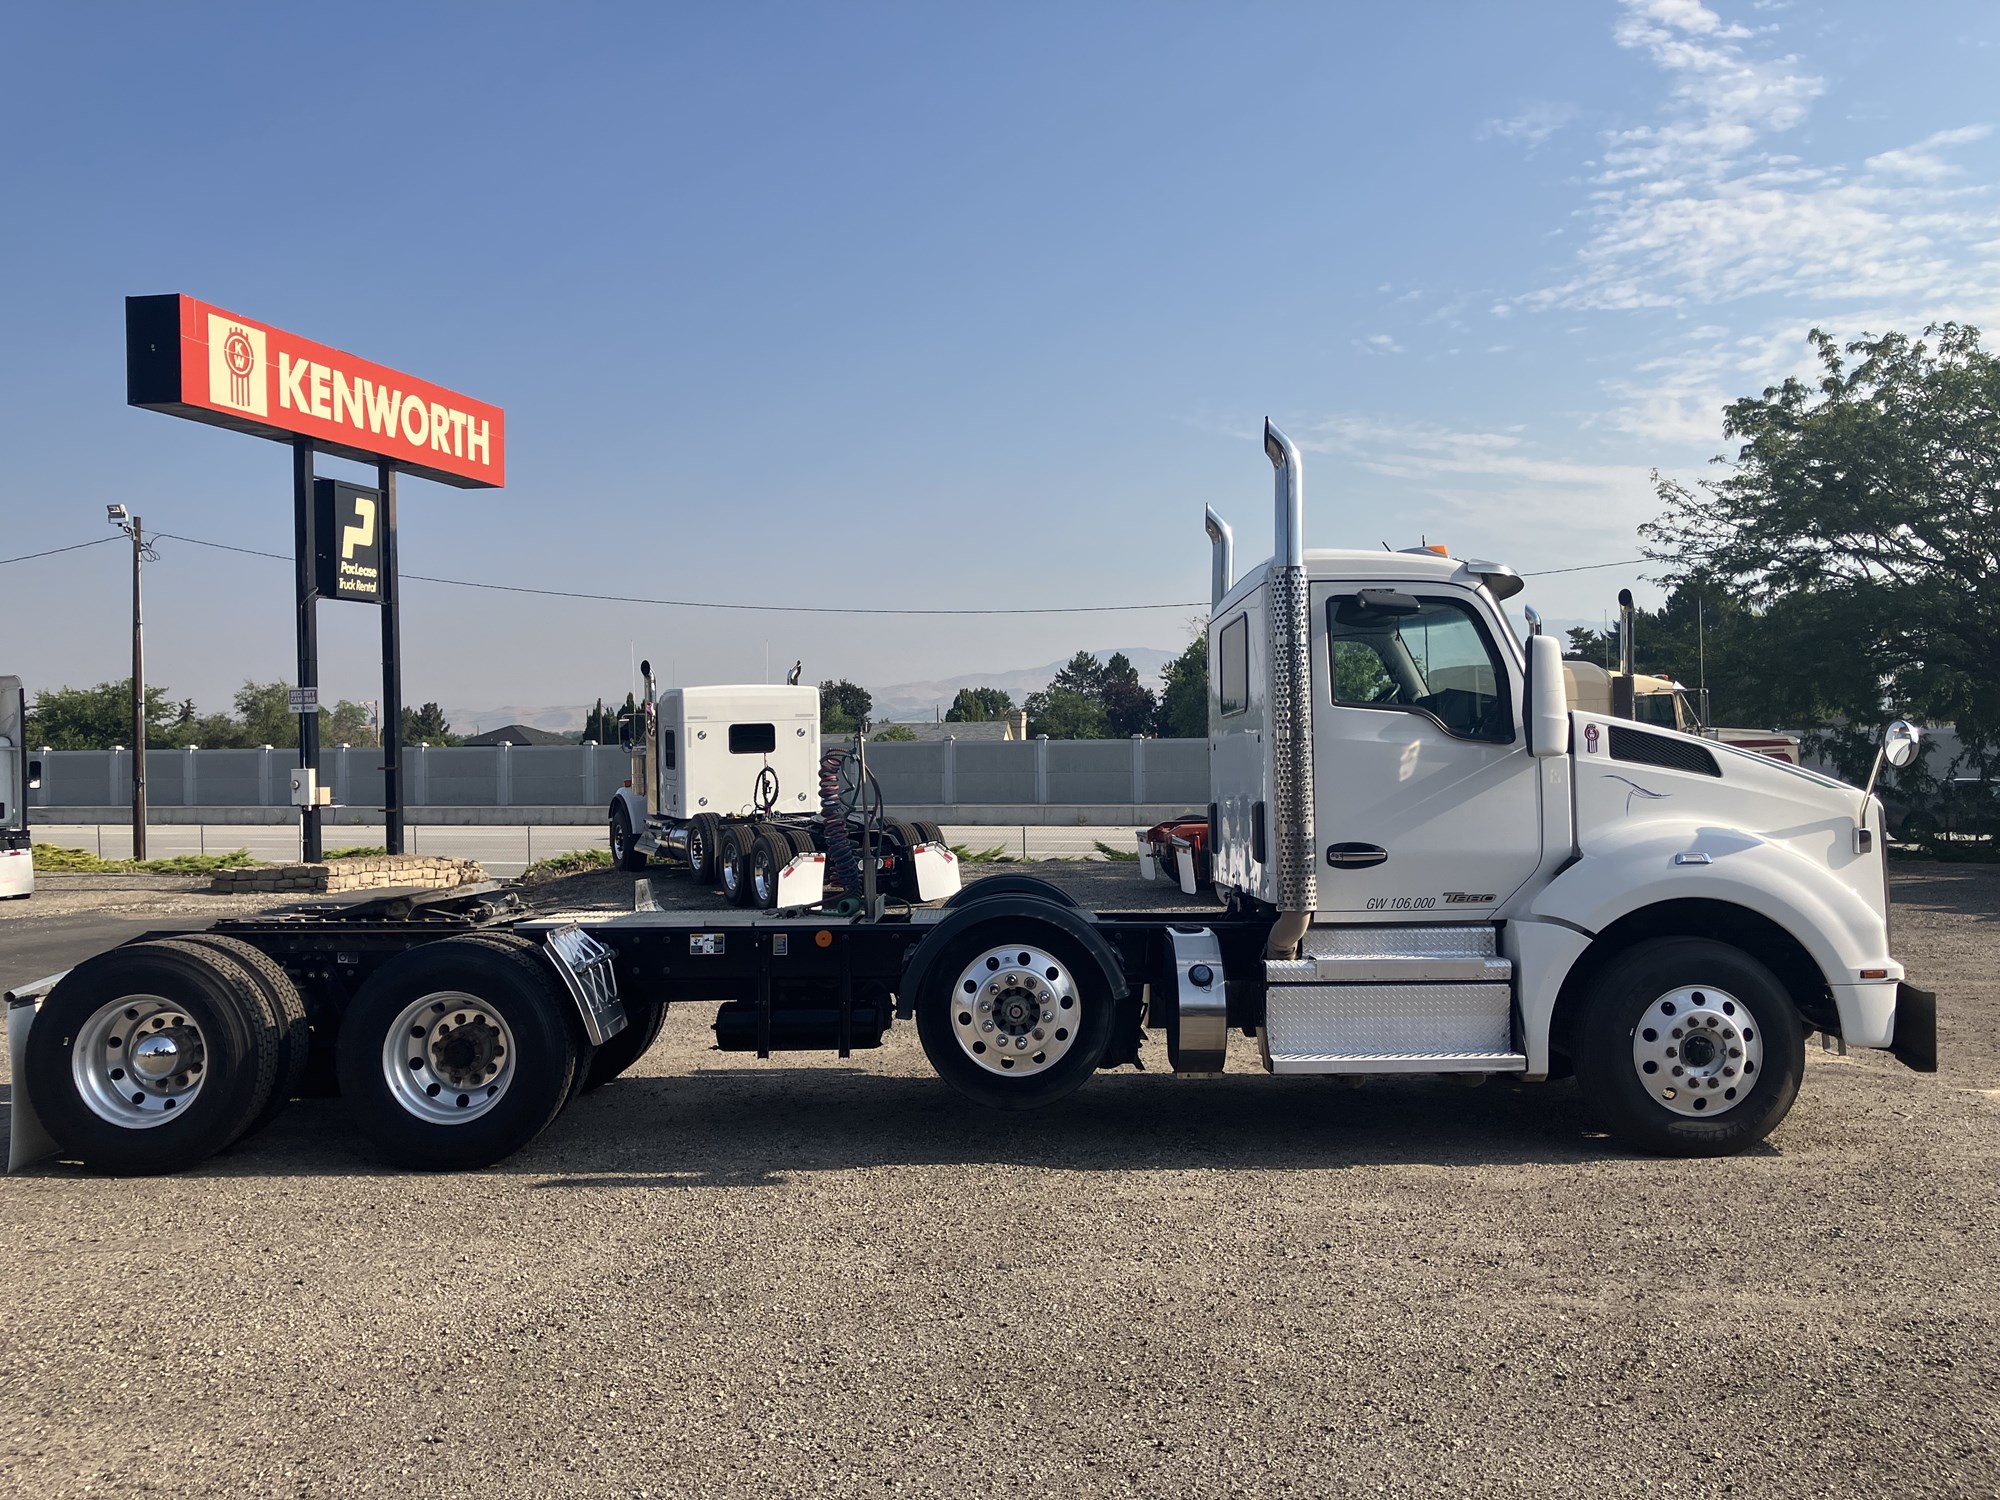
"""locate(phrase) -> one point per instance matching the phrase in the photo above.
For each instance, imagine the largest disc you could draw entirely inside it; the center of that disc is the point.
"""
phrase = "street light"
(133, 527)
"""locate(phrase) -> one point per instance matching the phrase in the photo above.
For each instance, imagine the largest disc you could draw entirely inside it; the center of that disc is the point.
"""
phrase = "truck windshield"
(1436, 660)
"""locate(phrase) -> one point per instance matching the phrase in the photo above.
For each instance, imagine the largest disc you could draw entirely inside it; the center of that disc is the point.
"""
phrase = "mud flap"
(937, 871)
(802, 882)
(1915, 1044)
(1149, 868)
(28, 1140)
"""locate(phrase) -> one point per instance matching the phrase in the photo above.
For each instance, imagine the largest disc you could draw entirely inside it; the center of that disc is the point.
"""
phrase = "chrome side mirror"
(1899, 747)
(1899, 743)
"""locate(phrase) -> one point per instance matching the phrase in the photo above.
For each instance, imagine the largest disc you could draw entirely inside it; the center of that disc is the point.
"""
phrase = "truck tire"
(770, 852)
(643, 1022)
(704, 844)
(151, 1057)
(284, 1008)
(1689, 1047)
(733, 862)
(905, 834)
(928, 833)
(624, 854)
(514, 942)
(1014, 1014)
(456, 1054)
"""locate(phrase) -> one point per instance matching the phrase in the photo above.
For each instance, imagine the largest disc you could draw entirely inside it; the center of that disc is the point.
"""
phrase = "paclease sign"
(191, 359)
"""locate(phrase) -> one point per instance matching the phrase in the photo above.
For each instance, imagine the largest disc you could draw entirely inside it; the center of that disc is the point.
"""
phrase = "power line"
(781, 609)
(794, 609)
(78, 547)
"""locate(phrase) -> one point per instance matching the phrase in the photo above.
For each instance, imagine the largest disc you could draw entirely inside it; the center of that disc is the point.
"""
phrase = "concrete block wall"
(1005, 781)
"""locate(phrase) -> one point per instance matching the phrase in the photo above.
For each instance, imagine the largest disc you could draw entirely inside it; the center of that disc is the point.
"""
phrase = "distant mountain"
(925, 700)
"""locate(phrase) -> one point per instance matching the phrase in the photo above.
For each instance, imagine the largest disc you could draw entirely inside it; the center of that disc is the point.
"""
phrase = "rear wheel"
(1015, 1015)
(456, 1054)
(151, 1057)
(704, 844)
(1689, 1047)
(770, 852)
(284, 1009)
(643, 1021)
(624, 852)
(733, 863)
(928, 833)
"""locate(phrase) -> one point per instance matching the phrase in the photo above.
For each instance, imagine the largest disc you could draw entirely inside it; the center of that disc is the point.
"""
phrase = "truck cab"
(1452, 887)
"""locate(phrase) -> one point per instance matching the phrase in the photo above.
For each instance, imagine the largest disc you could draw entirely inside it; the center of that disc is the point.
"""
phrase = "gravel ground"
(808, 1276)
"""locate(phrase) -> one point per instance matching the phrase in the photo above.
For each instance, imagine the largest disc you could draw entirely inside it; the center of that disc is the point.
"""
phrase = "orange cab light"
(1439, 548)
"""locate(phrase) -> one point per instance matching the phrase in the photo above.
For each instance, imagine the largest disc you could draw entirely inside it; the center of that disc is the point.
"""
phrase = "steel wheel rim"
(1698, 1051)
(139, 1061)
(697, 849)
(618, 850)
(449, 1057)
(1015, 1010)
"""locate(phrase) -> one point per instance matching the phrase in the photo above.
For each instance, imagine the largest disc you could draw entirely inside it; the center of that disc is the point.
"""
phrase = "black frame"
(1223, 647)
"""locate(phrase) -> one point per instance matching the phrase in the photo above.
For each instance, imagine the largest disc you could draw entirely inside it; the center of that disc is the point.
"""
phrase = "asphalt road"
(814, 1277)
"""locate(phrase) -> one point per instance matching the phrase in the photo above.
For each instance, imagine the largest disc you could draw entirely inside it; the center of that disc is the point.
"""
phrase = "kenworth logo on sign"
(190, 359)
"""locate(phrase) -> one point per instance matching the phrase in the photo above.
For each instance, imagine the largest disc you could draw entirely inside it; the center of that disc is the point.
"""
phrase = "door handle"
(1355, 856)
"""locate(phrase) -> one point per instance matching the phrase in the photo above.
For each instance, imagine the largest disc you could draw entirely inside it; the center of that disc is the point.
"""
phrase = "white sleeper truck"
(1425, 862)
(728, 784)
(17, 775)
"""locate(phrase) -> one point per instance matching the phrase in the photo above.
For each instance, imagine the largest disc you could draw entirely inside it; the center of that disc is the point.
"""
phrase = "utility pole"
(134, 527)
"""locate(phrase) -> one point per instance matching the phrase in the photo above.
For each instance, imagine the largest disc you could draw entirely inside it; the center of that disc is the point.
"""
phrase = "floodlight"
(115, 513)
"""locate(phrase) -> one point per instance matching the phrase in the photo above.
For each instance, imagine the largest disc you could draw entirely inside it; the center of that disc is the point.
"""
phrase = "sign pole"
(303, 535)
(392, 667)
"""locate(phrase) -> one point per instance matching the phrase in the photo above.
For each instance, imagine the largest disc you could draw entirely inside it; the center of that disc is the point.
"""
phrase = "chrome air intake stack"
(1222, 557)
(1291, 705)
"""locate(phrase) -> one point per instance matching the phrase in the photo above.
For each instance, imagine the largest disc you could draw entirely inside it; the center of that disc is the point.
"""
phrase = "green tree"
(347, 723)
(1063, 713)
(986, 705)
(892, 733)
(601, 723)
(1129, 705)
(96, 718)
(265, 713)
(428, 726)
(1082, 673)
(843, 707)
(1857, 527)
(1183, 708)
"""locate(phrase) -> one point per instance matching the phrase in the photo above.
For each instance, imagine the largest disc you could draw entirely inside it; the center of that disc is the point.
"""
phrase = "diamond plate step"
(1387, 968)
(1382, 1028)
(1350, 940)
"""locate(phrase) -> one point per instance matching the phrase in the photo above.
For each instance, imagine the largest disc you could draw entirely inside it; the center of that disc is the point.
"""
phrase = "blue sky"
(936, 306)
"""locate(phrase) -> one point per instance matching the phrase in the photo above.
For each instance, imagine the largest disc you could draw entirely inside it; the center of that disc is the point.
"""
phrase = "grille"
(1657, 750)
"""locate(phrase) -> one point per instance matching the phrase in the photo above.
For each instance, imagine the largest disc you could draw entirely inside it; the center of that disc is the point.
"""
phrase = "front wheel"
(624, 851)
(1689, 1047)
(1014, 1016)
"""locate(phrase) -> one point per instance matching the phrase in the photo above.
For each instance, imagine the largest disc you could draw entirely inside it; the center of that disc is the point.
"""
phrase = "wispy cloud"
(1700, 207)
(1531, 126)
(1378, 343)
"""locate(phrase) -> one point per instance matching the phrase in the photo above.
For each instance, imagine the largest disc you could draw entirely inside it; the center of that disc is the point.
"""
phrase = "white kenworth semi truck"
(729, 784)
(1425, 863)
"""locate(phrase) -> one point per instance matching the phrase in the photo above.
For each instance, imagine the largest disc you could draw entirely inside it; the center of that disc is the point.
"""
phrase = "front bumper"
(1914, 1043)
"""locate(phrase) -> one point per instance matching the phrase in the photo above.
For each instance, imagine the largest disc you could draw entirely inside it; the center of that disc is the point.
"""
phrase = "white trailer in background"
(17, 775)
(729, 783)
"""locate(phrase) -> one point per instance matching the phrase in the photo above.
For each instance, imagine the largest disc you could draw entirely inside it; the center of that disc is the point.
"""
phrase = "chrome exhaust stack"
(1292, 844)
(1221, 556)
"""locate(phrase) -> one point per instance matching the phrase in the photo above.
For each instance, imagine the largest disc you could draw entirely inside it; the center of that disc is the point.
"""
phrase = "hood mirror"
(1899, 747)
(1899, 743)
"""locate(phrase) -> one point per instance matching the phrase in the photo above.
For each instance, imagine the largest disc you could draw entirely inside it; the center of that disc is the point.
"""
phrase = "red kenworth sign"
(194, 360)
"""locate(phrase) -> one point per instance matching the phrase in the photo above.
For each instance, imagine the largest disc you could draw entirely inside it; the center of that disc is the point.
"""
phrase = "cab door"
(1426, 801)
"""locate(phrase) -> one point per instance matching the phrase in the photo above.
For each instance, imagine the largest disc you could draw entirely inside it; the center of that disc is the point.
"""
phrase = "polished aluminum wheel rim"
(1698, 1050)
(449, 1058)
(731, 869)
(139, 1061)
(1015, 1010)
(763, 878)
